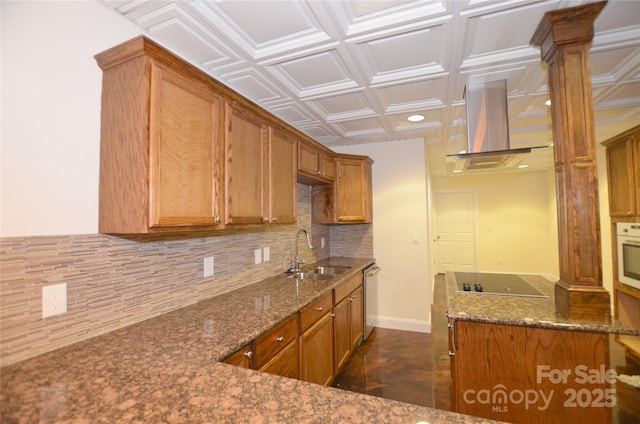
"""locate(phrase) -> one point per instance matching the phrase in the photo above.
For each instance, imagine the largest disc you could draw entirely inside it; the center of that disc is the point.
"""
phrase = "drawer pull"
(249, 354)
(452, 353)
(280, 339)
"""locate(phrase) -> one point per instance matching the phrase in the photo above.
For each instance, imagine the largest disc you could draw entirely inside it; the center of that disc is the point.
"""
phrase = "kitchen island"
(167, 369)
(514, 358)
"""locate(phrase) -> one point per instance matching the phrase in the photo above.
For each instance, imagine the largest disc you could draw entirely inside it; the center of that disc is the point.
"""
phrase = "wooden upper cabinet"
(246, 170)
(160, 146)
(183, 129)
(353, 190)
(315, 165)
(282, 177)
(623, 167)
(349, 199)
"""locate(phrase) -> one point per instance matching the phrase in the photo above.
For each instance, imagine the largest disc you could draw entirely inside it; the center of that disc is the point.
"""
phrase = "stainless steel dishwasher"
(370, 285)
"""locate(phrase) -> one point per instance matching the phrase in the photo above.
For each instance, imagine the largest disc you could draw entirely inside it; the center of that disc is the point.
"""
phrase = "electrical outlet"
(257, 256)
(208, 266)
(266, 254)
(54, 300)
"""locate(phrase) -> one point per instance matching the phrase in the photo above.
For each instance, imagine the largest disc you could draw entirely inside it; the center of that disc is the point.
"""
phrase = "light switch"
(257, 255)
(266, 254)
(208, 266)
(415, 238)
(322, 242)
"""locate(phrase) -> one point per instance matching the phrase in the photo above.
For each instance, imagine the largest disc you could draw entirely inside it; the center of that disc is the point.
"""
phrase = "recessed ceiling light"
(416, 118)
(548, 102)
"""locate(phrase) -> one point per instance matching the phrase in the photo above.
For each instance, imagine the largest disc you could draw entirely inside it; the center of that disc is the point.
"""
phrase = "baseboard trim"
(401, 324)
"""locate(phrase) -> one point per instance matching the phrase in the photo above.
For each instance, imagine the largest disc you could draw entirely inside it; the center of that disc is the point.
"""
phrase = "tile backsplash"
(113, 282)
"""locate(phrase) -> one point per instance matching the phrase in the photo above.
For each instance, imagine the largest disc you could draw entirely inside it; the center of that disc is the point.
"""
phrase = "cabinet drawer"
(269, 344)
(242, 358)
(314, 311)
(349, 285)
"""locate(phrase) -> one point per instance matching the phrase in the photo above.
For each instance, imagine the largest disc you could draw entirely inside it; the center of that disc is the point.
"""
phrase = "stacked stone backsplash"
(113, 282)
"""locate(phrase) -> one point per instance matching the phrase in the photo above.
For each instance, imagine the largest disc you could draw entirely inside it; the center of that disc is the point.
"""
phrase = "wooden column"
(564, 37)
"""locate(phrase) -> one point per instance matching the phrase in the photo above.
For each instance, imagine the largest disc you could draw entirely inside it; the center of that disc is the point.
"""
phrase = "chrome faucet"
(298, 260)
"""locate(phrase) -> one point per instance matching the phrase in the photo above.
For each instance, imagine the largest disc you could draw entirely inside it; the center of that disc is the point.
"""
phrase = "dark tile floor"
(414, 367)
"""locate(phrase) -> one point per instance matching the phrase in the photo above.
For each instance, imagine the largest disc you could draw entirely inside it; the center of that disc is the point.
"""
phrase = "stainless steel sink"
(330, 270)
(310, 275)
(321, 273)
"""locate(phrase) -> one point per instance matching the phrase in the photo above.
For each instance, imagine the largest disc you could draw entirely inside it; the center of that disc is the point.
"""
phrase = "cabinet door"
(282, 177)
(308, 159)
(505, 360)
(622, 192)
(284, 363)
(327, 167)
(342, 332)
(353, 196)
(357, 317)
(245, 168)
(316, 352)
(184, 137)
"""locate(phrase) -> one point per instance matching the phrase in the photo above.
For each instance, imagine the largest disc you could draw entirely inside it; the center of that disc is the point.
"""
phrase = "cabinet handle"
(333, 315)
(453, 337)
(319, 308)
(265, 219)
(249, 354)
(274, 219)
(217, 219)
(629, 213)
(318, 173)
(280, 339)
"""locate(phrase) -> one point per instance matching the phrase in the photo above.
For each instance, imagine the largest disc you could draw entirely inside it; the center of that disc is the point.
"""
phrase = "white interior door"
(456, 231)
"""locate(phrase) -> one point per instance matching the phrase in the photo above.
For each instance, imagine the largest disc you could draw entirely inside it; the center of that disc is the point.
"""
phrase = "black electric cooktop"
(495, 284)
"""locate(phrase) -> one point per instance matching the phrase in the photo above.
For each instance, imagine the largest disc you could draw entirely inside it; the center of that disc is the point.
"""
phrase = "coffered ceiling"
(348, 72)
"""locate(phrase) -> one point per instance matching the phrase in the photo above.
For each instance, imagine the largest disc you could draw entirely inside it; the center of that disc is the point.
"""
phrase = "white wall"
(399, 210)
(606, 240)
(50, 135)
(514, 220)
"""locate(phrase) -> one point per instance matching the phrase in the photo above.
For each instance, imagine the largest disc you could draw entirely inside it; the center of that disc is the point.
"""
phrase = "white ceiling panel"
(304, 79)
(345, 106)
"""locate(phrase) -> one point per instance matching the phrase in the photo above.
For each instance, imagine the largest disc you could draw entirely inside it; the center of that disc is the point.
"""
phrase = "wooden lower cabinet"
(284, 363)
(342, 332)
(530, 375)
(316, 352)
(314, 344)
(348, 326)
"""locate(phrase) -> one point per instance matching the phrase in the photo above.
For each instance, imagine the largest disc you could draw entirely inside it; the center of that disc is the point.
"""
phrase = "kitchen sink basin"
(321, 273)
(329, 270)
(310, 275)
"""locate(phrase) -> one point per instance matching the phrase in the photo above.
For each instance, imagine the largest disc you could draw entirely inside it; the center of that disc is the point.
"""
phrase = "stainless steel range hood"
(487, 130)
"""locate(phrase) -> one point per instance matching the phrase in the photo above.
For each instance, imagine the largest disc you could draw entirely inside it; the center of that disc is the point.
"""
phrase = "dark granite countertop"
(166, 369)
(518, 310)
